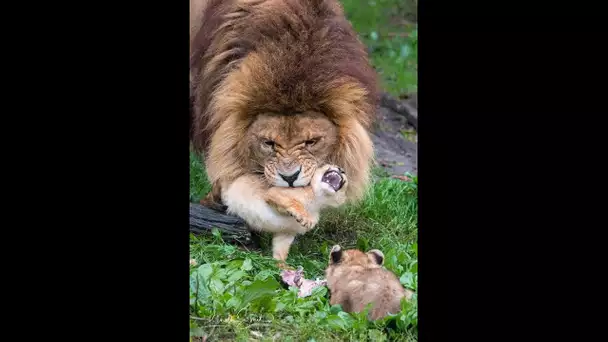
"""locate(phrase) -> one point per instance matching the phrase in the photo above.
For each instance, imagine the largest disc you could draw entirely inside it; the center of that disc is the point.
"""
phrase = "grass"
(236, 295)
(391, 38)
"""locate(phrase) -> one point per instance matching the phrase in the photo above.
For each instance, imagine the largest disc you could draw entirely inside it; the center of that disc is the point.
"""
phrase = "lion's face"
(288, 149)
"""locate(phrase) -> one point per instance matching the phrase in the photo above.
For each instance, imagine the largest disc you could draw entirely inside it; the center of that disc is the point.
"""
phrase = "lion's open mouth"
(334, 179)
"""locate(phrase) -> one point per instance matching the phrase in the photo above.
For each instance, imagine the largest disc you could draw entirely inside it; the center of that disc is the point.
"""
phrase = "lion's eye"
(269, 143)
(310, 142)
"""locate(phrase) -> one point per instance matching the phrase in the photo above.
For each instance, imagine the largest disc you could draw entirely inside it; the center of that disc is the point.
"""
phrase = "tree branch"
(232, 228)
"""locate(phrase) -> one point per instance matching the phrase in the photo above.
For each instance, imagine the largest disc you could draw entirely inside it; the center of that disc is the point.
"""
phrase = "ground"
(395, 143)
(236, 293)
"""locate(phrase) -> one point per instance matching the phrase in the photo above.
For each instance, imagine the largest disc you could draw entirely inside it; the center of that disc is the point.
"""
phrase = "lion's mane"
(284, 56)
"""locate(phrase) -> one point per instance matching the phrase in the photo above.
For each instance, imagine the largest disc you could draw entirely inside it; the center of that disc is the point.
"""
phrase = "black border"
(108, 105)
(507, 131)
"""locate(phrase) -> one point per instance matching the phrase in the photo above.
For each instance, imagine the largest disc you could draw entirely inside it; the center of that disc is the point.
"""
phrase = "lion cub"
(285, 212)
(327, 189)
(356, 279)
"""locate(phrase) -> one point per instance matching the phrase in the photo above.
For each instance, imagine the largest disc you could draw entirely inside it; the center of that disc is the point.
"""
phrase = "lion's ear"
(335, 255)
(376, 256)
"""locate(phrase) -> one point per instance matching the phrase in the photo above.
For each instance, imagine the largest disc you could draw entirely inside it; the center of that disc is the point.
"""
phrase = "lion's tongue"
(333, 178)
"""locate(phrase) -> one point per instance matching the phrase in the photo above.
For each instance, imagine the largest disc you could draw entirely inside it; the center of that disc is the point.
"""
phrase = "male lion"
(279, 88)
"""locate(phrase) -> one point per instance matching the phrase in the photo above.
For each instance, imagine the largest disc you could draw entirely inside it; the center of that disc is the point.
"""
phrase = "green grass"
(236, 294)
(392, 39)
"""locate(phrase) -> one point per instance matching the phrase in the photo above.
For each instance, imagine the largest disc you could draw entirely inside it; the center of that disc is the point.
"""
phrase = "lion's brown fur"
(278, 56)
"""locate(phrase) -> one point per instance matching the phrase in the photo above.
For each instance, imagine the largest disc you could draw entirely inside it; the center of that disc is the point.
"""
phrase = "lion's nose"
(291, 178)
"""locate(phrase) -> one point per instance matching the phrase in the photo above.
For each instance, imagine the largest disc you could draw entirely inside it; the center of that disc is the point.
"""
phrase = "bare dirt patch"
(396, 139)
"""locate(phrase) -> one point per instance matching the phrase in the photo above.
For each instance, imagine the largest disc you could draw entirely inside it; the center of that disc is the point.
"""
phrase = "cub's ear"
(335, 255)
(376, 256)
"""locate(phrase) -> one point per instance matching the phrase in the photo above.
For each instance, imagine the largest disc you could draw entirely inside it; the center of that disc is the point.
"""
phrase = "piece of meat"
(309, 285)
(296, 279)
(289, 277)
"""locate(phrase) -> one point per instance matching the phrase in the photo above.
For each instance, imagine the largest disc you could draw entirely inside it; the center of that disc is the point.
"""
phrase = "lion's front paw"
(303, 218)
(333, 179)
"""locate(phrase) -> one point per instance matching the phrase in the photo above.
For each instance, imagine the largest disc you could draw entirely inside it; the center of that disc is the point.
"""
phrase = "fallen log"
(400, 107)
(233, 229)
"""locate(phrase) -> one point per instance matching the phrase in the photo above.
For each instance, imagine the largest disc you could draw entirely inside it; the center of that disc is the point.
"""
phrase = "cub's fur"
(356, 279)
(287, 211)
(279, 88)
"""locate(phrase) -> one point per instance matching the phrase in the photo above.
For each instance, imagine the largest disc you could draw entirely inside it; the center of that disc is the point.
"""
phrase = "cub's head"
(288, 149)
(353, 257)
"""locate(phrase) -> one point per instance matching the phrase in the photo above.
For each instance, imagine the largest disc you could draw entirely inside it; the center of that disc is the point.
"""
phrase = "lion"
(279, 89)
(356, 279)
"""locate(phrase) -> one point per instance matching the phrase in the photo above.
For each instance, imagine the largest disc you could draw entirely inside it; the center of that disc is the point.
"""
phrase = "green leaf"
(334, 309)
(320, 291)
(407, 279)
(233, 302)
(204, 271)
(228, 249)
(280, 307)
(216, 285)
(320, 315)
(235, 264)
(247, 265)
(346, 317)
(193, 284)
(336, 322)
(235, 276)
(221, 273)
(265, 274)
(414, 267)
(341, 320)
(403, 322)
(260, 290)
